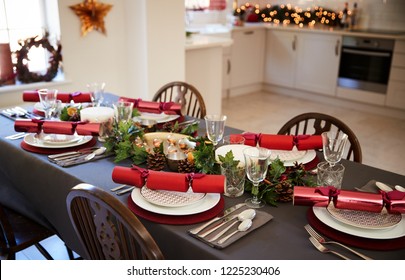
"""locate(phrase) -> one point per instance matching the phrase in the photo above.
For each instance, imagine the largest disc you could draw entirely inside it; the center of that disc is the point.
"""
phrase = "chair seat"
(19, 233)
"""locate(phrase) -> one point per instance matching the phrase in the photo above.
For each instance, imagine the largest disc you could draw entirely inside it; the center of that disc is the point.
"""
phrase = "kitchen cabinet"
(303, 61)
(396, 84)
(247, 58)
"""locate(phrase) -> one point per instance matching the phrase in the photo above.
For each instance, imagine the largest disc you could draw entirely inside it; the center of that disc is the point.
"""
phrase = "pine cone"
(156, 160)
(284, 191)
(186, 166)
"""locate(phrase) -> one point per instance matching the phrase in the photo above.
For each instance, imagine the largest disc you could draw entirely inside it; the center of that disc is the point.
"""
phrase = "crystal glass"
(333, 146)
(257, 161)
(47, 99)
(215, 125)
(123, 111)
(330, 175)
(96, 90)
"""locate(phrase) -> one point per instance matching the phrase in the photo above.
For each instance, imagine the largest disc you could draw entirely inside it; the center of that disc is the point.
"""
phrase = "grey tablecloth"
(33, 185)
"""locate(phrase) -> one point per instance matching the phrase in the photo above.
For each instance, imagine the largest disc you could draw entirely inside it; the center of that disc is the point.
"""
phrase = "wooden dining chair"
(106, 228)
(186, 94)
(18, 232)
(316, 123)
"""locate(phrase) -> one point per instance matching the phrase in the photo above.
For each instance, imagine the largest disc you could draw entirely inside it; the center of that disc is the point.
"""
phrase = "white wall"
(142, 50)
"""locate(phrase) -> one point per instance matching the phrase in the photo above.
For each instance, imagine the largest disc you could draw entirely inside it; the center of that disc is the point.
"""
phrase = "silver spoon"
(244, 226)
(248, 214)
(97, 152)
(399, 188)
(383, 187)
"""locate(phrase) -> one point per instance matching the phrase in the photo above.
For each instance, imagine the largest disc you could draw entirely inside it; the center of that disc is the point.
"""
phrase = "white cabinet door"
(247, 57)
(318, 63)
(281, 57)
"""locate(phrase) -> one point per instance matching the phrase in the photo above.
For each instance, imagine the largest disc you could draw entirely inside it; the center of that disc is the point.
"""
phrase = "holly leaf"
(139, 155)
(228, 161)
(276, 169)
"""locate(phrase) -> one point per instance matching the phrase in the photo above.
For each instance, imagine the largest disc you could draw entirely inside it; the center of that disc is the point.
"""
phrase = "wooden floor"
(382, 138)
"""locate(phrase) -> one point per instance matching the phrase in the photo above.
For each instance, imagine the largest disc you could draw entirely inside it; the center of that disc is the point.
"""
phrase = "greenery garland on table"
(126, 142)
(23, 73)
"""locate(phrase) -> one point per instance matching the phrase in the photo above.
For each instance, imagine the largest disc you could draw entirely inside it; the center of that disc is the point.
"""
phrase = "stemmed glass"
(333, 146)
(257, 161)
(215, 127)
(47, 99)
(97, 93)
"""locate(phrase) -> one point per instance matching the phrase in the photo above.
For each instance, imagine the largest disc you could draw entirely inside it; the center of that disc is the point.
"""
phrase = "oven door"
(365, 69)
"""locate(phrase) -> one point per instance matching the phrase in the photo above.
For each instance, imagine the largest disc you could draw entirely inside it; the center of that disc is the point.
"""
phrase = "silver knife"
(224, 214)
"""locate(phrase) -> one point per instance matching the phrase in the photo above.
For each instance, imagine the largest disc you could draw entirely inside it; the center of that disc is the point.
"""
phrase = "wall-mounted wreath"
(23, 73)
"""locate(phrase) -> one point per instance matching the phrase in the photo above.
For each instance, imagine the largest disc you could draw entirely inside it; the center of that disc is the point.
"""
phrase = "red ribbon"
(191, 176)
(329, 191)
(251, 138)
(144, 172)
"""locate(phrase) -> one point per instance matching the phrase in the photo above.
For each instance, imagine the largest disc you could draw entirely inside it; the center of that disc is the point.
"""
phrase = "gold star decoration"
(91, 13)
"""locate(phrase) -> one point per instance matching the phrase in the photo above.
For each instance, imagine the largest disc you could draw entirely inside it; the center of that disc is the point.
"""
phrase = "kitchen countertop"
(225, 30)
(198, 41)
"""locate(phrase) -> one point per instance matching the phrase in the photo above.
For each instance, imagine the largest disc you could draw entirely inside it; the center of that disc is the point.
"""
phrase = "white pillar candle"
(97, 114)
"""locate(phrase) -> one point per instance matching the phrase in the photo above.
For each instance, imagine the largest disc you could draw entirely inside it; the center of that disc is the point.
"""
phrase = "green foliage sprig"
(204, 156)
(70, 113)
(123, 142)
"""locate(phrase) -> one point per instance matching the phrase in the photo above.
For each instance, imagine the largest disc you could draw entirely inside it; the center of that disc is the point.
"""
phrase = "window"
(22, 19)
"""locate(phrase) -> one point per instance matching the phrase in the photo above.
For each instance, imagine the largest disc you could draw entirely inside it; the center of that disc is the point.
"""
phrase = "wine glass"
(97, 93)
(215, 127)
(47, 99)
(257, 161)
(333, 146)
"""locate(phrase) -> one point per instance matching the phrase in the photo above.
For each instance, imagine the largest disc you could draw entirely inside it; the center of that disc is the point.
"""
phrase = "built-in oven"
(365, 63)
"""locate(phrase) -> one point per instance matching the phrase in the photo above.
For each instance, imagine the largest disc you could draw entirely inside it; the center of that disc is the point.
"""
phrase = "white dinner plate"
(159, 118)
(32, 140)
(393, 232)
(60, 139)
(170, 198)
(364, 219)
(288, 156)
(308, 157)
(209, 201)
(237, 151)
(38, 106)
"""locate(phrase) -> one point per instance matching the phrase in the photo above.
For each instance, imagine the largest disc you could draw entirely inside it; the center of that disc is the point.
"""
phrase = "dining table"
(38, 188)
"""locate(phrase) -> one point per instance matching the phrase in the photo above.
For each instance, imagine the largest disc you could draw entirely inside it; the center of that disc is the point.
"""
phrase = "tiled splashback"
(378, 14)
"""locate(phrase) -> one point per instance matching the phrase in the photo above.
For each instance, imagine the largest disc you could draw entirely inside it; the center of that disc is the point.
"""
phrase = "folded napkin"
(78, 97)
(393, 201)
(169, 108)
(57, 127)
(170, 181)
(260, 219)
(283, 142)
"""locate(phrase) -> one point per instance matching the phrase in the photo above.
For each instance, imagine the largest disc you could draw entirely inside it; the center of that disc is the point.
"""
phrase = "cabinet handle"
(248, 32)
(337, 47)
(294, 43)
(228, 70)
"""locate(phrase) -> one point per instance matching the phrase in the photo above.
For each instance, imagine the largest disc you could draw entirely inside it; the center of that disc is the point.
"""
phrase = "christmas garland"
(23, 73)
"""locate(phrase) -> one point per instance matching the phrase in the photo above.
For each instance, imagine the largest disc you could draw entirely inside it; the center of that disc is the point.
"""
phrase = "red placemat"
(351, 240)
(177, 220)
(50, 151)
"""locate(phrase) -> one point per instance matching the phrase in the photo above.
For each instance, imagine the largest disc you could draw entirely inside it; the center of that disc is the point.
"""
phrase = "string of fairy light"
(287, 14)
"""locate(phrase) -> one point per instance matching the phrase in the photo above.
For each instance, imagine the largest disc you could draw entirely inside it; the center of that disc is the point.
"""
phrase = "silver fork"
(323, 249)
(322, 240)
